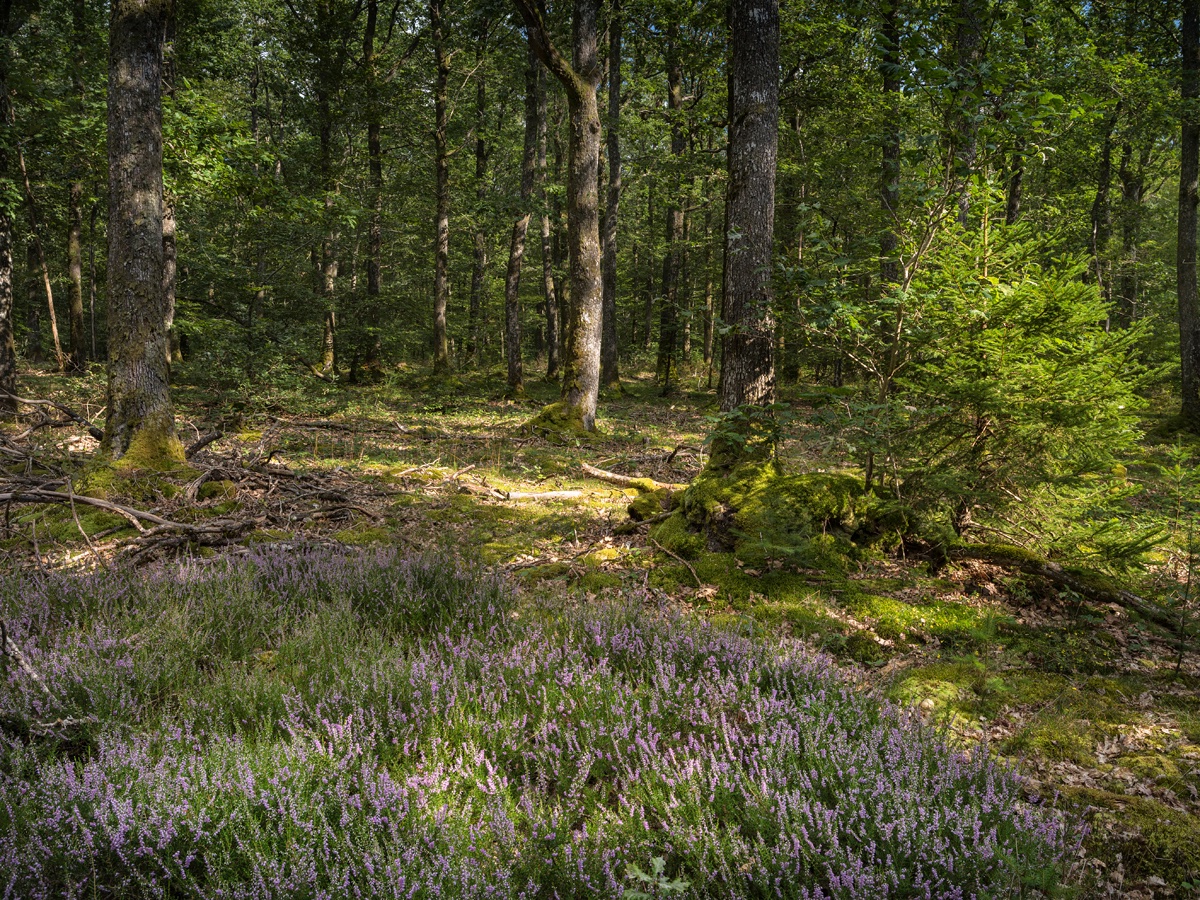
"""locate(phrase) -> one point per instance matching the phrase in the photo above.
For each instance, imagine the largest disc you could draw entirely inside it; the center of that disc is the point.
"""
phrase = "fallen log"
(642, 484)
(1089, 585)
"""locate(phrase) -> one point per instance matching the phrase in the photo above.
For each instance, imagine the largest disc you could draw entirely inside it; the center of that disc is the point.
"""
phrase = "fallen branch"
(630, 526)
(1088, 585)
(203, 442)
(70, 413)
(641, 484)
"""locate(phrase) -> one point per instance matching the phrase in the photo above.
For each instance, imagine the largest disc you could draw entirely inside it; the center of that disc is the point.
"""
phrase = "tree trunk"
(648, 291)
(516, 253)
(1102, 209)
(140, 419)
(889, 194)
(1185, 263)
(964, 111)
(441, 168)
(8, 350)
(170, 259)
(1016, 178)
(581, 365)
(33, 305)
(77, 360)
(35, 232)
(370, 319)
(709, 329)
(668, 324)
(479, 265)
(549, 296)
(747, 365)
(1133, 186)
(609, 375)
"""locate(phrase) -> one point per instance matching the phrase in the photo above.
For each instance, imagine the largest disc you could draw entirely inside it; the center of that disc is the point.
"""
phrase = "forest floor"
(1099, 709)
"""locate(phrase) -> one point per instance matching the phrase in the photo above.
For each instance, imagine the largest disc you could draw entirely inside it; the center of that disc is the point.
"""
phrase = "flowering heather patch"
(322, 724)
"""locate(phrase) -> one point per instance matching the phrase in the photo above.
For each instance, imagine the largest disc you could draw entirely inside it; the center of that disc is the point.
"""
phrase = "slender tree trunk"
(516, 253)
(709, 329)
(747, 365)
(35, 231)
(549, 295)
(92, 275)
(441, 168)
(1016, 178)
(140, 418)
(33, 305)
(1189, 172)
(581, 363)
(648, 291)
(1102, 209)
(889, 194)
(8, 350)
(374, 349)
(668, 325)
(77, 361)
(1133, 185)
(328, 261)
(479, 267)
(609, 376)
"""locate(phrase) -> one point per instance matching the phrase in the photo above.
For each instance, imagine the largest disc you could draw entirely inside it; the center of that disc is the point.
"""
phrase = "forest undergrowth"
(1096, 707)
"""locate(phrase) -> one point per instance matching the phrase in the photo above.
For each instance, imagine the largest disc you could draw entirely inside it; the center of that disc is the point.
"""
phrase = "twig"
(699, 583)
(9, 648)
(75, 515)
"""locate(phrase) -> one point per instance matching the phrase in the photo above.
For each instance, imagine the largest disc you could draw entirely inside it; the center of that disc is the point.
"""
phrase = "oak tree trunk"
(581, 77)
(747, 367)
(140, 418)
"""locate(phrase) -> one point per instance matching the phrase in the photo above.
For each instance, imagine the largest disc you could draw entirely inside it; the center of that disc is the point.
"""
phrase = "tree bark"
(374, 350)
(35, 239)
(170, 258)
(581, 365)
(441, 168)
(140, 418)
(668, 324)
(549, 296)
(1189, 172)
(479, 265)
(516, 252)
(1102, 208)
(648, 290)
(33, 305)
(964, 125)
(8, 350)
(889, 194)
(77, 361)
(609, 375)
(1132, 173)
(1016, 178)
(709, 329)
(747, 365)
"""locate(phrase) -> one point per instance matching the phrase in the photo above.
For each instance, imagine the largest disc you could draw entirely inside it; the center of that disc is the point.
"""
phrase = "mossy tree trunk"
(748, 365)
(441, 168)
(516, 251)
(140, 417)
(1189, 195)
(609, 375)
(581, 363)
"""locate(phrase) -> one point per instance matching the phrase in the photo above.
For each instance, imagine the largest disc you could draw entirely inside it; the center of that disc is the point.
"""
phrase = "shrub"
(461, 745)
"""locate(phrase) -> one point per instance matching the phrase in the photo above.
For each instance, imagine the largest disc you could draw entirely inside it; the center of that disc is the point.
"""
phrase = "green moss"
(364, 536)
(212, 490)
(558, 418)
(675, 535)
(1147, 837)
(651, 503)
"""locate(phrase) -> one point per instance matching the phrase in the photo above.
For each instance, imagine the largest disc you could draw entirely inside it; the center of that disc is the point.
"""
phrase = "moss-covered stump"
(149, 467)
(559, 418)
(817, 520)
